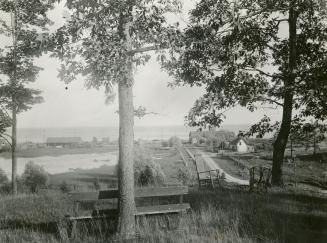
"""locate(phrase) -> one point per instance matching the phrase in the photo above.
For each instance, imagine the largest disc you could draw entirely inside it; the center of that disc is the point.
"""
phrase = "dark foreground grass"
(216, 216)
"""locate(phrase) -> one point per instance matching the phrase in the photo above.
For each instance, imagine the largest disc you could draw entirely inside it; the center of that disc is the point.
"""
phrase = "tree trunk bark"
(126, 222)
(14, 106)
(13, 151)
(281, 141)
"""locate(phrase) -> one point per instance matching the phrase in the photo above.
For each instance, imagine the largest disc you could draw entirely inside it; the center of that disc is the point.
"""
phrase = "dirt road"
(212, 165)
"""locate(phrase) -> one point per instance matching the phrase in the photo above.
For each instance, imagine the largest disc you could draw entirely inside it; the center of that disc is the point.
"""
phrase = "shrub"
(3, 177)
(184, 176)
(64, 187)
(146, 171)
(34, 176)
(175, 142)
(164, 143)
(96, 184)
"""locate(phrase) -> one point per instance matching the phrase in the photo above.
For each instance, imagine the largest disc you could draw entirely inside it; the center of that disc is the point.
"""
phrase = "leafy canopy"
(93, 42)
(30, 29)
(239, 51)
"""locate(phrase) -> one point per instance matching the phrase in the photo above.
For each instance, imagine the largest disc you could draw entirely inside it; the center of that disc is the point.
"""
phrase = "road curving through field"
(213, 165)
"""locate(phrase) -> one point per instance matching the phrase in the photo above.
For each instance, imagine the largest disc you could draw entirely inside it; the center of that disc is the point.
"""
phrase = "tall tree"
(25, 24)
(252, 53)
(105, 41)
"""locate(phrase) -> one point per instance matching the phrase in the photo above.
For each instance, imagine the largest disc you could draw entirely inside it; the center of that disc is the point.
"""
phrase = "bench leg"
(71, 231)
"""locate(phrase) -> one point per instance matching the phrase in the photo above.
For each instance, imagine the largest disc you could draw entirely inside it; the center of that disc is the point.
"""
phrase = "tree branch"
(262, 72)
(145, 49)
(6, 139)
(266, 99)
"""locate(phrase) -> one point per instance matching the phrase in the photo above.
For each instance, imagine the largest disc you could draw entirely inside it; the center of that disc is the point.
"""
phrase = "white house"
(241, 145)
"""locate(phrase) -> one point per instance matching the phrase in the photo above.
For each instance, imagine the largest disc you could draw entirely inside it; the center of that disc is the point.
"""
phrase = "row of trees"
(246, 53)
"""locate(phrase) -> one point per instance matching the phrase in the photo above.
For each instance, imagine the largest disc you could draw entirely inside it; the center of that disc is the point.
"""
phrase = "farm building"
(64, 142)
(241, 145)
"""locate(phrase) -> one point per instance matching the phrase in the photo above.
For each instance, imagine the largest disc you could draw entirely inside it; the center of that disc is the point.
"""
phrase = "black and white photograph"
(178, 121)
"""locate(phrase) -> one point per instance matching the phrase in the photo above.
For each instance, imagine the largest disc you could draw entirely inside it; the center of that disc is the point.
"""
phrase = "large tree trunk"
(281, 141)
(13, 151)
(126, 222)
(14, 107)
(126, 225)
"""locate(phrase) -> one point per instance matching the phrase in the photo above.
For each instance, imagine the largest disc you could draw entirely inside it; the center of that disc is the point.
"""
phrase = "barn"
(64, 142)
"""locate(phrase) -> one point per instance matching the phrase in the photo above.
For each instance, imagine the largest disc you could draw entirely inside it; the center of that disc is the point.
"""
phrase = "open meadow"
(226, 214)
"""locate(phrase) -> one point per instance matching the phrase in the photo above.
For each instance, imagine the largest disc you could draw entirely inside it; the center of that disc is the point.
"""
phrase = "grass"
(221, 215)
(217, 216)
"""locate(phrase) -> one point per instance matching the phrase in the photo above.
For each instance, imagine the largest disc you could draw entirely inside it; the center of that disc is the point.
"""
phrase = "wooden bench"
(260, 177)
(210, 178)
(156, 194)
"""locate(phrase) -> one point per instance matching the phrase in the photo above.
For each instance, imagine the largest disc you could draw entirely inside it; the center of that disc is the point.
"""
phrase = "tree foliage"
(34, 176)
(27, 24)
(239, 52)
(92, 43)
(253, 54)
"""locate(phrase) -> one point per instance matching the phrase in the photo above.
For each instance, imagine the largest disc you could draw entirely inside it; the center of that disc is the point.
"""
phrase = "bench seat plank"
(141, 211)
(139, 193)
(162, 209)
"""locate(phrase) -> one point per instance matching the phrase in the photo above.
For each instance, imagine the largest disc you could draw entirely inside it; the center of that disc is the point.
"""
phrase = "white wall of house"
(241, 147)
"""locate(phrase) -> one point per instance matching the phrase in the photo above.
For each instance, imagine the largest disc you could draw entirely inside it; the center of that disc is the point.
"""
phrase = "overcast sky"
(78, 107)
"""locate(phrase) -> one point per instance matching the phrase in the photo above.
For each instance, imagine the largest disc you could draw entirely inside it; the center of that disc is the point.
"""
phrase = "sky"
(80, 107)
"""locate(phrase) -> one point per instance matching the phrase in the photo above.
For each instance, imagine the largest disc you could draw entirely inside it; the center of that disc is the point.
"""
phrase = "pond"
(63, 163)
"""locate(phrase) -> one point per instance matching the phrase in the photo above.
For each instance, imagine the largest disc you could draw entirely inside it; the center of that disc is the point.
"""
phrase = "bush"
(34, 176)
(164, 143)
(174, 142)
(202, 140)
(184, 176)
(3, 177)
(64, 187)
(146, 171)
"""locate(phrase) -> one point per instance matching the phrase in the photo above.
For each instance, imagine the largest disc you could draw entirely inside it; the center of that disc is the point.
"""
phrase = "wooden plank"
(93, 196)
(160, 191)
(139, 192)
(162, 209)
(142, 211)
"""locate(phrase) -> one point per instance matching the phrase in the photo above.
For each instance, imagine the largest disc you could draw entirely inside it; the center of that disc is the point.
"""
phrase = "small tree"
(25, 24)
(34, 176)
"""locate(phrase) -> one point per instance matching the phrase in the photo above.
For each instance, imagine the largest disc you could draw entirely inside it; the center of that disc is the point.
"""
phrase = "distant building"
(240, 145)
(64, 142)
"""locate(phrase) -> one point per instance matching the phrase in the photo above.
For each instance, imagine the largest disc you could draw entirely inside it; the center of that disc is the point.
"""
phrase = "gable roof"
(237, 140)
(64, 140)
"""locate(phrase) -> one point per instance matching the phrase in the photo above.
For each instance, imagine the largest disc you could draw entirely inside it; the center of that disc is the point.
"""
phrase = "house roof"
(237, 140)
(64, 140)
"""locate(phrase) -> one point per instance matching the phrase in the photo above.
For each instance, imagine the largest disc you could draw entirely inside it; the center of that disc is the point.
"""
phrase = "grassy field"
(228, 214)
(308, 171)
(216, 216)
(39, 152)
